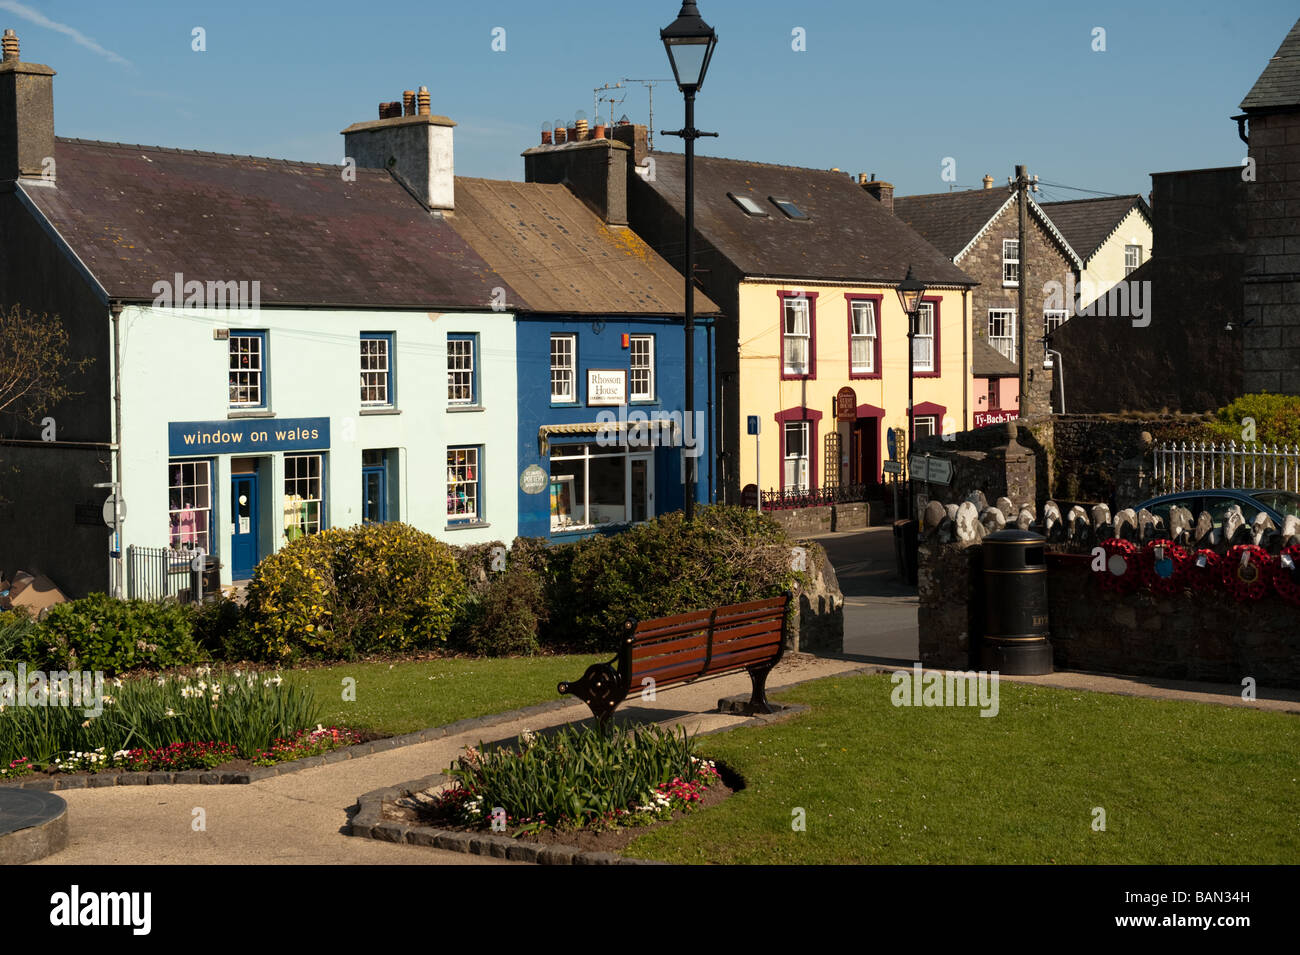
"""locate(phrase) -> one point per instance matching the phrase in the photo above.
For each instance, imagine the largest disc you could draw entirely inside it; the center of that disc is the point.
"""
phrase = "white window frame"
(559, 372)
(865, 308)
(295, 484)
(931, 424)
(801, 463)
(1052, 320)
(923, 341)
(196, 476)
(377, 370)
(1135, 258)
(252, 378)
(1004, 344)
(580, 519)
(462, 376)
(802, 333)
(1010, 263)
(645, 369)
(465, 467)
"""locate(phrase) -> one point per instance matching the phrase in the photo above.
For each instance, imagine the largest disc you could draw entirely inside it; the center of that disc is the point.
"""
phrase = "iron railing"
(1192, 466)
(156, 573)
(820, 497)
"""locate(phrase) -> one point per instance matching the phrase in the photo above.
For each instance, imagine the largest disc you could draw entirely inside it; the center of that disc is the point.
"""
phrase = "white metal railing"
(1190, 466)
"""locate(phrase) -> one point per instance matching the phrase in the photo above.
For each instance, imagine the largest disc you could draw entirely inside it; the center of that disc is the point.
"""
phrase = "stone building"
(979, 230)
(1270, 125)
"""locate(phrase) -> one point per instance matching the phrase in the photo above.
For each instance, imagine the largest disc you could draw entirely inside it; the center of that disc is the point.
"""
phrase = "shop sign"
(606, 386)
(248, 436)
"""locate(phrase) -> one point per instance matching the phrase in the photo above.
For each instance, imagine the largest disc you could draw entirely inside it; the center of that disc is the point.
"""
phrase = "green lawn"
(1179, 783)
(404, 697)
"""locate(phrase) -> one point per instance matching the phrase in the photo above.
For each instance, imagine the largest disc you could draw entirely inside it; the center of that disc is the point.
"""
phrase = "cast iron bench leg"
(600, 688)
(758, 699)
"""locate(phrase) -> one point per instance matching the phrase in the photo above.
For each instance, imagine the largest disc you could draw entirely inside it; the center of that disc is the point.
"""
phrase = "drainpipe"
(1058, 365)
(713, 417)
(965, 358)
(115, 310)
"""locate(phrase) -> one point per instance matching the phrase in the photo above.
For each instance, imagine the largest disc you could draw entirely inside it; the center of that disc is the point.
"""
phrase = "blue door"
(374, 487)
(243, 539)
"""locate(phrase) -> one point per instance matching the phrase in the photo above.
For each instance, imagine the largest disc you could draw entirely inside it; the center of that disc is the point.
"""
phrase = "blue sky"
(891, 89)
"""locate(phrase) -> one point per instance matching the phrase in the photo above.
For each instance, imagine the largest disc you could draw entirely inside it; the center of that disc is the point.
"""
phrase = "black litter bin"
(211, 577)
(905, 550)
(1016, 626)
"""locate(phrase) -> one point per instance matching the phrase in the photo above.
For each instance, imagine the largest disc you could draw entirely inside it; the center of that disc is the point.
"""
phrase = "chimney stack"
(26, 116)
(882, 191)
(634, 136)
(988, 182)
(414, 147)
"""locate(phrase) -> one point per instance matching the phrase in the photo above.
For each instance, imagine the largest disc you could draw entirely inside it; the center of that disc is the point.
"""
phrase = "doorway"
(244, 552)
(641, 493)
(864, 445)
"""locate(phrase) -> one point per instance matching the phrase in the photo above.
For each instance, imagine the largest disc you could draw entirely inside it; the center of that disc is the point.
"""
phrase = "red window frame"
(811, 298)
(850, 298)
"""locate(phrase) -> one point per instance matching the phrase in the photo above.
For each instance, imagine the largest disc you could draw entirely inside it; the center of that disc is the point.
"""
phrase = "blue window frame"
(465, 485)
(462, 369)
(378, 381)
(247, 369)
(374, 487)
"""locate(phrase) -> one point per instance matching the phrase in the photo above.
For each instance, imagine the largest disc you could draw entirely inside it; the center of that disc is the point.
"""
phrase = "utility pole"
(1022, 340)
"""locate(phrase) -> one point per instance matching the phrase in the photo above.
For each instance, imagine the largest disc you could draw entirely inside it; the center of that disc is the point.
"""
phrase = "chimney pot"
(988, 182)
(10, 46)
(424, 101)
(408, 102)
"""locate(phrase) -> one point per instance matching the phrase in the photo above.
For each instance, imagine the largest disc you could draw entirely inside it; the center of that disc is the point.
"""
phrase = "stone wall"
(810, 521)
(819, 625)
(1190, 634)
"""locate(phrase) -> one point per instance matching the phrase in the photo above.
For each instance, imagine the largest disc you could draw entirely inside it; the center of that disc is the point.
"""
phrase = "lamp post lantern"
(689, 42)
(910, 292)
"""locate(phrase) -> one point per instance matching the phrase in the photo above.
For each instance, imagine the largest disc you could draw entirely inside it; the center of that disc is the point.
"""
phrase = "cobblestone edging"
(243, 777)
(368, 822)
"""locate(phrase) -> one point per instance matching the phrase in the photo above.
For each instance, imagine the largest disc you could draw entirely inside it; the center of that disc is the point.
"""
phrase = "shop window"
(377, 370)
(189, 506)
(464, 498)
(303, 495)
(593, 485)
(247, 369)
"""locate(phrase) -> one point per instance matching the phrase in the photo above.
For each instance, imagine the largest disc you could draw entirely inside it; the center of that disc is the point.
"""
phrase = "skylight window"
(789, 208)
(748, 204)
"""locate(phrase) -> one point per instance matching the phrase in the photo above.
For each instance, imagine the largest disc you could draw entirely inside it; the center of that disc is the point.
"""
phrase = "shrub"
(1277, 419)
(100, 632)
(667, 566)
(504, 609)
(15, 626)
(579, 776)
(340, 593)
(221, 629)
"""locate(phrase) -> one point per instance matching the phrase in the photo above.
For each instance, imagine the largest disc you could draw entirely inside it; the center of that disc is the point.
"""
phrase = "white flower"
(85, 724)
(170, 712)
(117, 683)
(161, 681)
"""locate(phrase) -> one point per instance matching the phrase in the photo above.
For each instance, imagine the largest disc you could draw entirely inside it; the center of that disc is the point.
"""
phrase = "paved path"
(879, 610)
(297, 818)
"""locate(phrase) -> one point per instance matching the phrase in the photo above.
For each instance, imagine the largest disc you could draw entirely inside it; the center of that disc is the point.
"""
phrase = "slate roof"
(136, 215)
(953, 220)
(1088, 223)
(988, 362)
(559, 256)
(1279, 84)
(949, 220)
(848, 235)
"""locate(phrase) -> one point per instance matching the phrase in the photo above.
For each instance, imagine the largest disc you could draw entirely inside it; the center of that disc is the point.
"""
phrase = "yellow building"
(805, 263)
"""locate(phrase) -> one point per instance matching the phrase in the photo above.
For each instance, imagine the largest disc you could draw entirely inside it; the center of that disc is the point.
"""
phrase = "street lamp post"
(910, 292)
(689, 42)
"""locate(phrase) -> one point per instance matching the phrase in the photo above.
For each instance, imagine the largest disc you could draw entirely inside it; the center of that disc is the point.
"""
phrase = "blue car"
(1216, 501)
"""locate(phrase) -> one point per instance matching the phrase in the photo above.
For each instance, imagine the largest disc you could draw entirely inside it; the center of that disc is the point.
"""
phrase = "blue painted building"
(603, 438)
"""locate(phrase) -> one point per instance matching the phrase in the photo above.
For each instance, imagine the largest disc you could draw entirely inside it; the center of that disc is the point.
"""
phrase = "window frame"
(936, 369)
(789, 208)
(573, 397)
(263, 378)
(389, 372)
(1130, 269)
(813, 419)
(651, 394)
(783, 296)
(210, 510)
(1061, 315)
(1011, 260)
(1012, 328)
(876, 302)
(322, 522)
(753, 208)
(478, 517)
(474, 385)
(916, 421)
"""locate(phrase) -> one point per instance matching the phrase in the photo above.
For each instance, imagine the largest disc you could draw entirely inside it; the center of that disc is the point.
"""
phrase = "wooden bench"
(687, 647)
